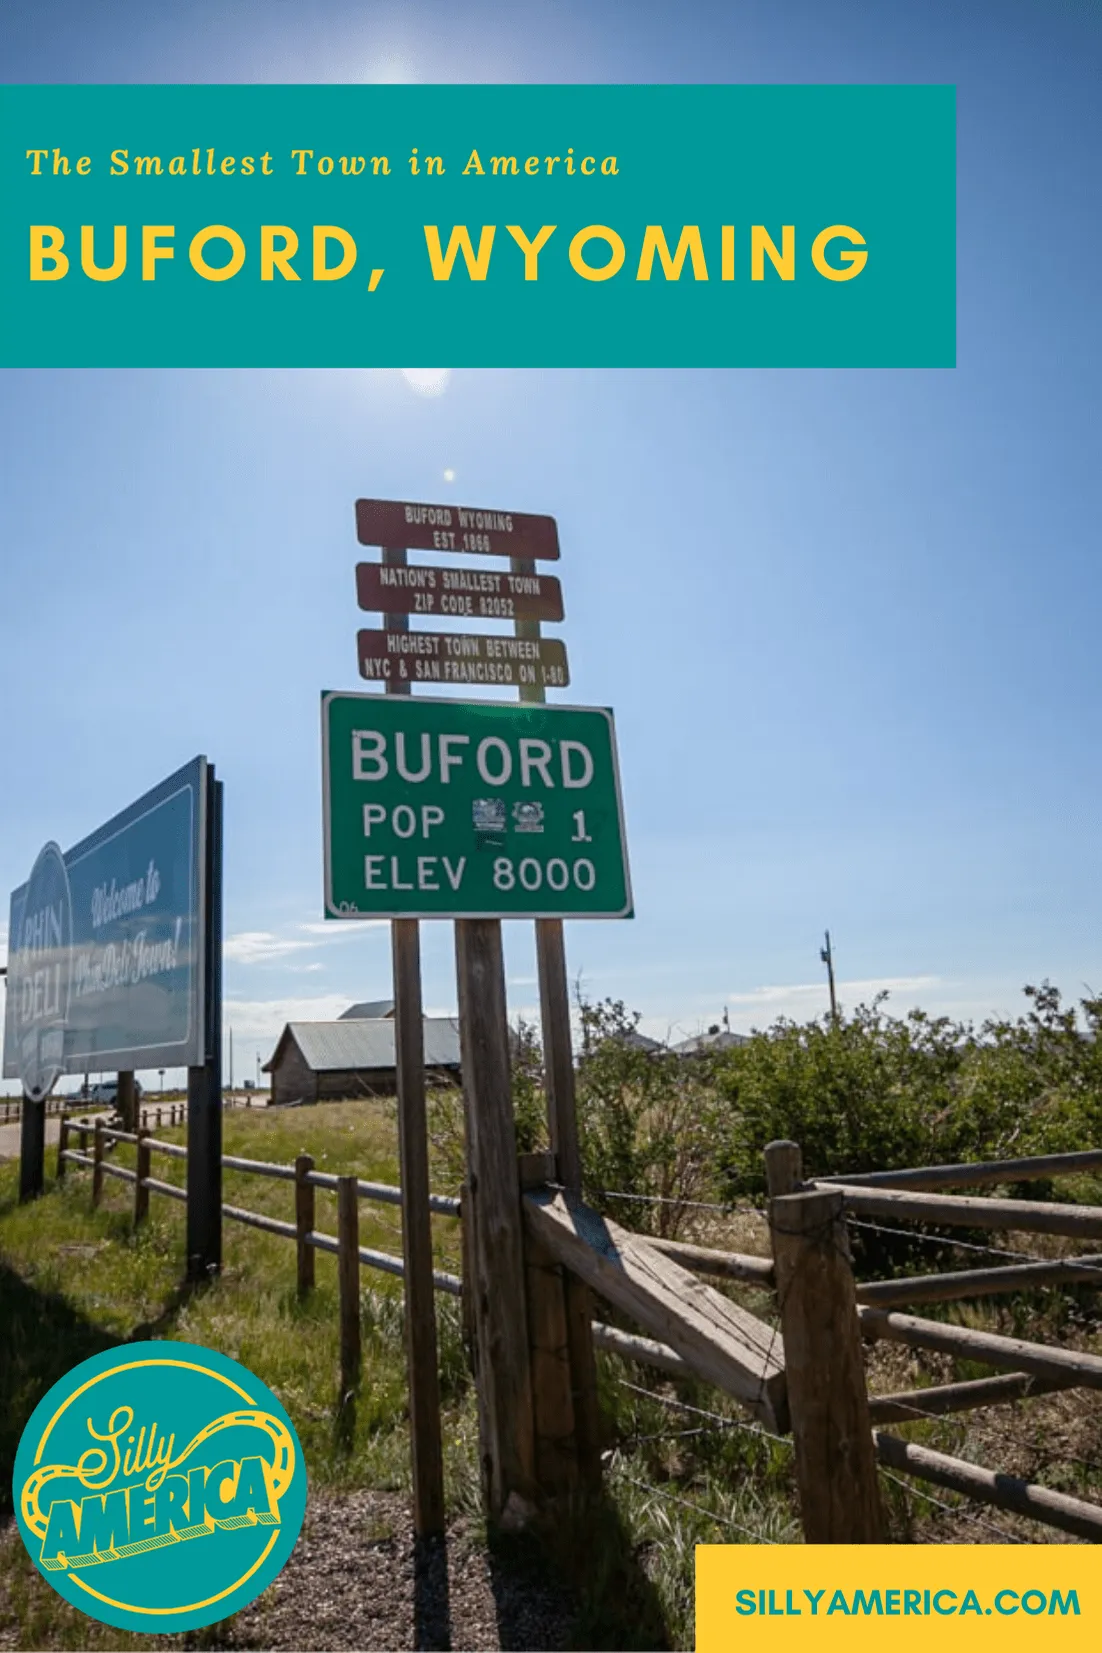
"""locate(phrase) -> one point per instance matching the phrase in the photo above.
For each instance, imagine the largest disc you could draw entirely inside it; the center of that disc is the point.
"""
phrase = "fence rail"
(344, 1245)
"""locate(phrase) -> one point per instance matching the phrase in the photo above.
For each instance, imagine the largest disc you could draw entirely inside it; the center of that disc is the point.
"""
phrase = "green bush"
(647, 1122)
(875, 1092)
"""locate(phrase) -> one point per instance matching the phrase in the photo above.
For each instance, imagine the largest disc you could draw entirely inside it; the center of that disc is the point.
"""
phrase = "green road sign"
(448, 809)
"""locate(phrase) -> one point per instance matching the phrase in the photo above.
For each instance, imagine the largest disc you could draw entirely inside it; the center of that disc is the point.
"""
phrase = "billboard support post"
(32, 1149)
(204, 1087)
(124, 1100)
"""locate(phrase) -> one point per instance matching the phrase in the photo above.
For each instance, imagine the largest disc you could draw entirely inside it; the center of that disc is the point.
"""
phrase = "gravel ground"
(356, 1580)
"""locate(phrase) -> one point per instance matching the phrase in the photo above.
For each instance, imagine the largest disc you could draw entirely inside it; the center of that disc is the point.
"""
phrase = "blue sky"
(885, 717)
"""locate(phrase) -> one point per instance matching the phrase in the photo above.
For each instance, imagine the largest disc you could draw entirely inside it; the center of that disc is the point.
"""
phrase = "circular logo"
(40, 973)
(159, 1487)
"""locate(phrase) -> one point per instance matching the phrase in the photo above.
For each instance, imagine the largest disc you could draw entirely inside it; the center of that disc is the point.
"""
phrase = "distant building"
(634, 1040)
(714, 1039)
(323, 1061)
(371, 1010)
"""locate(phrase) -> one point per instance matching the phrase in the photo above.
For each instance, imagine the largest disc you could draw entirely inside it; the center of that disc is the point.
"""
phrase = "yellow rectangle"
(897, 1596)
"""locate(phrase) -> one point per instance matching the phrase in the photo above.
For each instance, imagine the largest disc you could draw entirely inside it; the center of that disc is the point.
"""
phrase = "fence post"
(141, 1192)
(97, 1161)
(348, 1280)
(305, 1222)
(62, 1146)
(827, 1397)
(495, 1242)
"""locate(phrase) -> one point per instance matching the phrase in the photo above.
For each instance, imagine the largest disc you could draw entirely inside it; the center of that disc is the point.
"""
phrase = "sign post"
(479, 811)
(426, 1447)
(204, 1079)
(32, 1149)
(562, 1128)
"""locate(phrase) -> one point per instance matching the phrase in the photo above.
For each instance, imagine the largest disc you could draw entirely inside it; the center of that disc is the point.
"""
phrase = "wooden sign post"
(426, 1449)
(562, 1125)
(511, 839)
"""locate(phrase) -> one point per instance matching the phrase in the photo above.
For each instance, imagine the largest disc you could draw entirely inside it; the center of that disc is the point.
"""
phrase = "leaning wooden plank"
(1079, 1222)
(629, 1346)
(721, 1342)
(702, 1259)
(1006, 1492)
(981, 1282)
(971, 1176)
(1013, 1353)
(912, 1405)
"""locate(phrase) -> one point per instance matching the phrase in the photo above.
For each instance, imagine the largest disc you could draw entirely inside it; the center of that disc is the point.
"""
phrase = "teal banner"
(480, 226)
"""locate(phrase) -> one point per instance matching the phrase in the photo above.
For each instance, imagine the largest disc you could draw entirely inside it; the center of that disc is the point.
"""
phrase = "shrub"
(646, 1123)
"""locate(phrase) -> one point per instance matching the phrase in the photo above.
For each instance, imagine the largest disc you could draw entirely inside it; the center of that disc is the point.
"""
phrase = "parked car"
(107, 1093)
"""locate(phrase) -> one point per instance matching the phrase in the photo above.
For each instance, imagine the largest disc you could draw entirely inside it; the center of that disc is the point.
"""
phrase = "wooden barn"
(324, 1061)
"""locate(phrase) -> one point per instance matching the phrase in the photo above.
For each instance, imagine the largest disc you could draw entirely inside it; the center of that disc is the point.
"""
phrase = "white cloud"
(258, 946)
(347, 931)
(803, 1000)
(264, 946)
(262, 1019)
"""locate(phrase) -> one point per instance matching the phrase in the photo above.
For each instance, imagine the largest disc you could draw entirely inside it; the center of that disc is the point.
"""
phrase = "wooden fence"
(13, 1107)
(806, 1378)
(825, 1315)
(168, 1113)
(344, 1245)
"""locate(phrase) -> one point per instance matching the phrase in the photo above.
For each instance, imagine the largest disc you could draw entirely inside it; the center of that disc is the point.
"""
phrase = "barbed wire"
(966, 1509)
(702, 1412)
(938, 1240)
(664, 1199)
(698, 1509)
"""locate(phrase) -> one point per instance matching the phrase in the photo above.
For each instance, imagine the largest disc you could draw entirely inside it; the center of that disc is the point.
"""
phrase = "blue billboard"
(105, 948)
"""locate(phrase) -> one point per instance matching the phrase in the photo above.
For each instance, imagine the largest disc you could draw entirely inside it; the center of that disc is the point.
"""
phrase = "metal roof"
(358, 1044)
(371, 1010)
(725, 1040)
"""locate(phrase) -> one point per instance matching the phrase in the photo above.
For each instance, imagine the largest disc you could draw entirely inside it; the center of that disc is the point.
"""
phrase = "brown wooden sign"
(415, 527)
(457, 657)
(467, 593)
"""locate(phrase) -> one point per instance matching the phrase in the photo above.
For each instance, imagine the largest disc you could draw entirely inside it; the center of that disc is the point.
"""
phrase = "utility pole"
(827, 956)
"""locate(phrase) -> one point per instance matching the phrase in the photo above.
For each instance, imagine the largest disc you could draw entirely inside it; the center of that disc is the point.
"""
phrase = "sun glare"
(427, 381)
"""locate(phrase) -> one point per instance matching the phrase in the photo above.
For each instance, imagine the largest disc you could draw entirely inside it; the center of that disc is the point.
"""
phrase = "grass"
(683, 1465)
(104, 1283)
